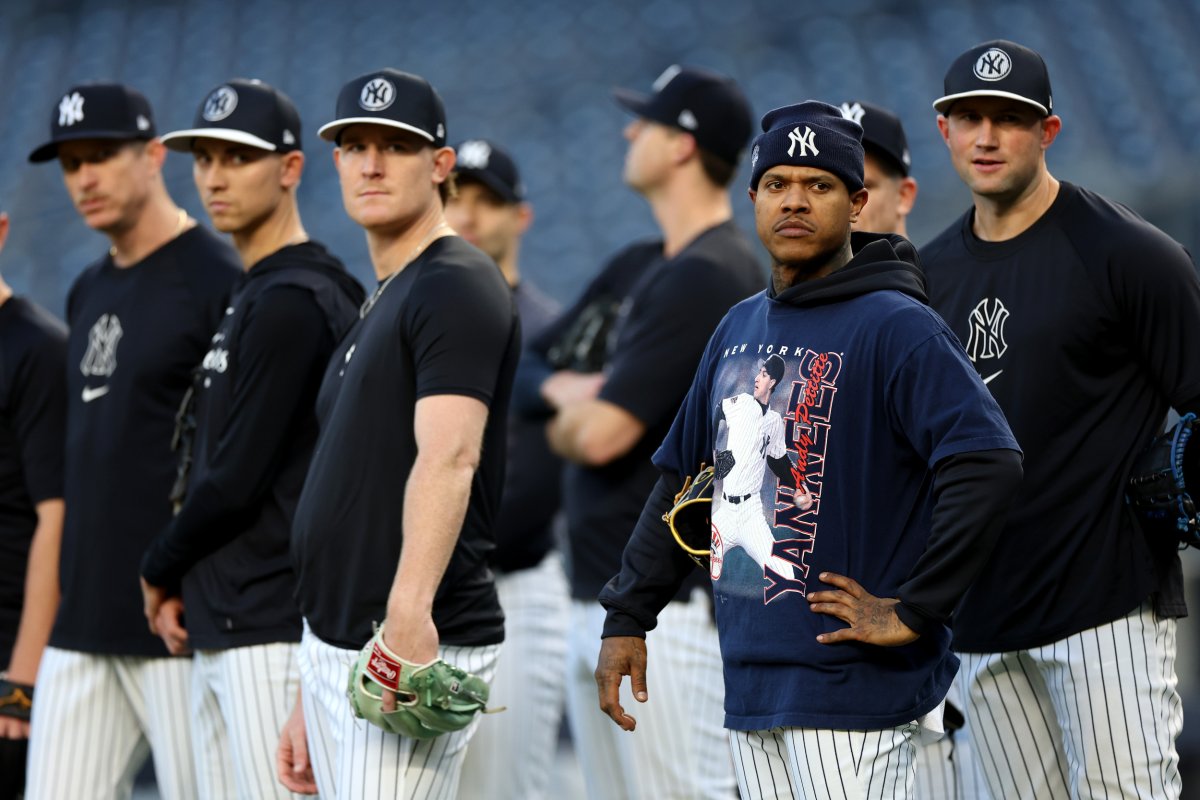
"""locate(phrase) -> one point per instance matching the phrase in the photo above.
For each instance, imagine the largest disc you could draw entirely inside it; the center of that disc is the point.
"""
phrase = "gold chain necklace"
(370, 302)
(183, 221)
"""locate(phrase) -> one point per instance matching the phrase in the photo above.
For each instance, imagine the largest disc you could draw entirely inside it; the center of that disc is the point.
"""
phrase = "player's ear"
(908, 195)
(292, 167)
(444, 159)
(858, 200)
(1051, 127)
(944, 128)
(524, 217)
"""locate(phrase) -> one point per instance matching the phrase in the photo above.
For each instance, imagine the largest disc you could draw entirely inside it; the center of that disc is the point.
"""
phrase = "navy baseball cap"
(484, 162)
(709, 106)
(97, 111)
(998, 68)
(883, 133)
(392, 98)
(809, 134)
(246, 112)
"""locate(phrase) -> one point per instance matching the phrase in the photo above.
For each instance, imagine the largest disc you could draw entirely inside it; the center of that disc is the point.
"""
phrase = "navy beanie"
(809, 134)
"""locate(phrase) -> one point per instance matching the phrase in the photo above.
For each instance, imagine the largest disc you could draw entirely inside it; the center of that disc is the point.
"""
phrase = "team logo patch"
(687, 120)
(806, 140)
(101, 356)
(70, 110)
(474, 154)
(220, 104)
(854, 113)
(716, 554)
(993, 65)
(754, 157)
(986, 339)
(377, 94)
(143, 124)
(288, 137)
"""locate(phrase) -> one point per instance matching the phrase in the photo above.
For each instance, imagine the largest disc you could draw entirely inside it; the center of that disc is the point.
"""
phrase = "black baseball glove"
(689, 518)
(725, 462)
(1163, 484)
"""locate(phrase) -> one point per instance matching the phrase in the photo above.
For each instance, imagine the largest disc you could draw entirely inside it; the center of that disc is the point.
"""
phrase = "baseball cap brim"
(329, 131)
(640, 104)
(492, 182)
(181, 141)
(942, 104)
(49, 150)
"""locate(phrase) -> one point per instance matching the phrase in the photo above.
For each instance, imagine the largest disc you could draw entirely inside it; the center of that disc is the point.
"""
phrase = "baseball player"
(225, 553)
(832, 673)
(886, 164)
(1078, 314)
(512, 754)
(944, 766)
(140, 319)
(33, 402)
(754, 440)
(612, 370)
(394, 524)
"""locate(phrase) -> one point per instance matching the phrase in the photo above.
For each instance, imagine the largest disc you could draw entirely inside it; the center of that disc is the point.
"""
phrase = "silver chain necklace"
(370, 302)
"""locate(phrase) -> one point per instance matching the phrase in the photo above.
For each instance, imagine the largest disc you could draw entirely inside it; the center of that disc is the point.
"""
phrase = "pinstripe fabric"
(512, 754)
(1094, 715)
(96, 719)
(353, 759)
(240, 699)
(679, 749)
(812, 764)
(946, 769)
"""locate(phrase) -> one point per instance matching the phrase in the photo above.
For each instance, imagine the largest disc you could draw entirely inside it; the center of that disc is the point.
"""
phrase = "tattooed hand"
(871, 619)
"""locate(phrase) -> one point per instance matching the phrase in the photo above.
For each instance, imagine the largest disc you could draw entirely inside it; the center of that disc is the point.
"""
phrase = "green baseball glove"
(431, 699)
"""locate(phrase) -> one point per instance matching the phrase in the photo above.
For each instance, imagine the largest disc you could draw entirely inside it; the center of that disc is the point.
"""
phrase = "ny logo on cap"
(220, 104)
(993, 65)
(854, 113)
(70, 110)
(474, 154)
(377, 94)
(806, 140)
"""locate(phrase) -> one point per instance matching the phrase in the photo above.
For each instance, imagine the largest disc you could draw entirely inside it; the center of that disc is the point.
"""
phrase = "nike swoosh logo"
(90, 394)
(988, 379)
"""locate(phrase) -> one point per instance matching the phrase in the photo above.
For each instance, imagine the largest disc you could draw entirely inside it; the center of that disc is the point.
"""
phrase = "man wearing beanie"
(140, 320)
(394, 525)
(610, 374)
(908, 464)
(225, 554)
(1082, 318)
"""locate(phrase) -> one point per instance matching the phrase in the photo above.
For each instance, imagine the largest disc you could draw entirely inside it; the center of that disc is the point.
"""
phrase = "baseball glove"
(689, 517)
(16, 699)
(1163, 484)
(431, 699)
(725, 461)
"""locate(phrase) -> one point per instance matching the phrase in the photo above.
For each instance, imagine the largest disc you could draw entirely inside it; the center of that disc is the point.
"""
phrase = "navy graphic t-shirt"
(873, 392)
(137, 332)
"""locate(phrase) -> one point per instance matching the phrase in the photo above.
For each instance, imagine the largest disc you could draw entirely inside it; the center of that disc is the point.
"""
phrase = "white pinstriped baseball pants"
(679, 749)
(946, 770)
(97, 717)
(353, 759)
(512, 754)
(1094, 715)
(814, 764)
(241, 697)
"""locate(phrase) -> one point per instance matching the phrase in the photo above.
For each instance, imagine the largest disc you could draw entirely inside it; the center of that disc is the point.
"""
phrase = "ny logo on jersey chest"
(986, 322)
(101, 356)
